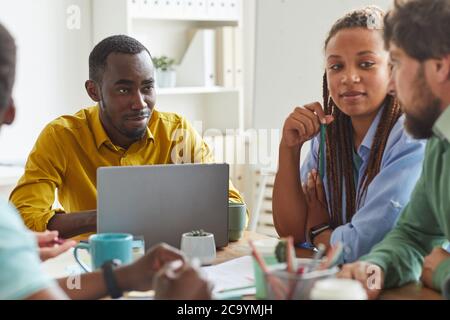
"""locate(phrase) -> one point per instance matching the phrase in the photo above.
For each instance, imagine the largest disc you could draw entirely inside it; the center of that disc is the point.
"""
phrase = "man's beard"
(428, 107)
(131, 134)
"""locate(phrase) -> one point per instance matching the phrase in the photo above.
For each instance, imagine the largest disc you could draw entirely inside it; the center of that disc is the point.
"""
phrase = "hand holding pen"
(303, 124)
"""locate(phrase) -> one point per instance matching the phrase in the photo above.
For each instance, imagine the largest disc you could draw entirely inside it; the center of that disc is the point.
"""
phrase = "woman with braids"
(371, 164)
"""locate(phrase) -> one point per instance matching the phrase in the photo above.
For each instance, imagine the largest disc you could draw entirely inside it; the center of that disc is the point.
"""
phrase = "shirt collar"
(366, 144)
(442, 126)
(100, 135)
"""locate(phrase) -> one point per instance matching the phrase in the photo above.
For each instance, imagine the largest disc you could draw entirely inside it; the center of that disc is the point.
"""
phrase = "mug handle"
(81, 245)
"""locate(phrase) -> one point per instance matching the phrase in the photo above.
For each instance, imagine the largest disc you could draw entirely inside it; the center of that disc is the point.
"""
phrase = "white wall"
(52, 67)
(289, 53)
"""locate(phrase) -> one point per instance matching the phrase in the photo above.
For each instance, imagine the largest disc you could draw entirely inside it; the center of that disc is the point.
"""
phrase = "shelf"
(193, 90)
(218, 21)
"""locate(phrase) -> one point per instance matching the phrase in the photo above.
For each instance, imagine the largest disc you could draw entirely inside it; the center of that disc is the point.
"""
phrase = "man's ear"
(447, 63)
(92, 90)
(442, 69)
(10, 113)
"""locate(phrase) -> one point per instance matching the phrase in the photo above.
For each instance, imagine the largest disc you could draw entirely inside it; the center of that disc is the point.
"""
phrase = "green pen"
(323, 130)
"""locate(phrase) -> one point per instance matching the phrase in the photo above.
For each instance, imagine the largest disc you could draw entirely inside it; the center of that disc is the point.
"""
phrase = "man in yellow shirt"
(123, 129)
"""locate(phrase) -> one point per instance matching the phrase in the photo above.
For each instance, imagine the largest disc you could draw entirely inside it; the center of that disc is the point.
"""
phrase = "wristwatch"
(316, 230)
(110, 279)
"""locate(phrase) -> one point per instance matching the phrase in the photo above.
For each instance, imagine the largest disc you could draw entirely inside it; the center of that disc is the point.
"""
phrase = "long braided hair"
(339, 138)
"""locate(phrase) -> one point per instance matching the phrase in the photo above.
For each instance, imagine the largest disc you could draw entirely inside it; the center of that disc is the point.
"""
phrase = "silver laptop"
(161, 202)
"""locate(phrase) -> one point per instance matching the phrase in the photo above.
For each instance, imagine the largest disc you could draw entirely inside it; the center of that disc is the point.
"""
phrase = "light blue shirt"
(386, 195)
(20, 267)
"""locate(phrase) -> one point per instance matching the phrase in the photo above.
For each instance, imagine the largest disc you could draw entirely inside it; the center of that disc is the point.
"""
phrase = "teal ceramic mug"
(105, 247)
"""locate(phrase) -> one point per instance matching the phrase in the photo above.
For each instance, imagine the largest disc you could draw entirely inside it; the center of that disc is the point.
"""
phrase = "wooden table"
(413, 291)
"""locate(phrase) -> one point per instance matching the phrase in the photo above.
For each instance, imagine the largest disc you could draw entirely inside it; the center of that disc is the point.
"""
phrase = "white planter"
(200, 247)
(166, 79)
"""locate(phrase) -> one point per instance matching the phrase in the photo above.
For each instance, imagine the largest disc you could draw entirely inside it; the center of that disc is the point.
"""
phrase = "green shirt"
(425, 221)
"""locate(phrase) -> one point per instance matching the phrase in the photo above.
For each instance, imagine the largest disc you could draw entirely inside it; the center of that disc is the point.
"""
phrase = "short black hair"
(419, 27)
(7, 66)
(114, 44)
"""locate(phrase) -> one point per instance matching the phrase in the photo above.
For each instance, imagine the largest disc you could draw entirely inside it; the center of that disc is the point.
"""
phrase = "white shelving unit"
(195, 90)
(198, 10)
(164, 26)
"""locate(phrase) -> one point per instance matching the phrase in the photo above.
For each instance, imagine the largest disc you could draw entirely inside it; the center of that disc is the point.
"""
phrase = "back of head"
(7, 66)
(114, 44)
(420, 27)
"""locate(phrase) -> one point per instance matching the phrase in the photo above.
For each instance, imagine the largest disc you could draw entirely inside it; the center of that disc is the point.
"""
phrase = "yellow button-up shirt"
(71, 148)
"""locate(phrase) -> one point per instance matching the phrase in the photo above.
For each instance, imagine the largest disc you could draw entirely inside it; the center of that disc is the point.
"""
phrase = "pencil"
(289, 252)
(323, 130)
(258, 258)
(291, 267)
(236, 289)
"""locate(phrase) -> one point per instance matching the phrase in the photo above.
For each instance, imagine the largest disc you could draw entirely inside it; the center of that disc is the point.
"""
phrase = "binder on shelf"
(195, 9)
(178, 8)
(135, 7)
(225, 56)
(238, 57)
(171, 8)
(142, 8)
(223, 9)
(233, 9)
(150, 8)
(188, 9)
(201, 8)
(223, 4)
(198, 66)
(166, 8)
(212, 9)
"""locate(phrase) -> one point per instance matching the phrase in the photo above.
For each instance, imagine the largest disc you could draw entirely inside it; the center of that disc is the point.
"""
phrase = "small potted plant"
(165, 72)
(199, 244)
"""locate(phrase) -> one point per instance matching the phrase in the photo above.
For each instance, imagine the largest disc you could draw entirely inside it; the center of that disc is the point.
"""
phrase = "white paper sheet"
(233, 274)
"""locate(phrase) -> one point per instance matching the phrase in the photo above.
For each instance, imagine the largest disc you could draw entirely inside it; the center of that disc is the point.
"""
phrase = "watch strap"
(316, 230)
(110, 278)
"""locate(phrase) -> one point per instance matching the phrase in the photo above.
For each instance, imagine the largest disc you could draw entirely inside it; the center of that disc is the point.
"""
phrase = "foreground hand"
(430, 264)
(49, 246)
(316, 201)
(182, 284)
(370, 275)
(139, 275)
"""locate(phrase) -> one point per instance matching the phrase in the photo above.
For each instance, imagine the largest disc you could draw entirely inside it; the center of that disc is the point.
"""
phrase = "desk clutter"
(238, 278)
(279, 275)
